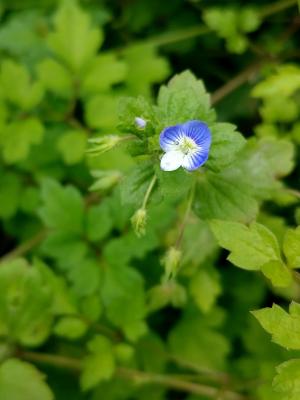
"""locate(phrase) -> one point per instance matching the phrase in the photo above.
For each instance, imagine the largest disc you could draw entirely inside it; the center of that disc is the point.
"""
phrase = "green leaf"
(140, 77)
(103, 72)
(287, 380)
(123, 285)
(72, 145)
(283, 83)
(20, 380)
(67, 248)
(101, 111)
(225, 195)
(25, 303)
(74, 40)
(17, 87)
(175, 184)
(85, 277)
(99, 222)
(55, 77)
(205, 287)
(226, 143)
(10, 191)
(253, 248)
(202, 344)
(284, 327)
(63, 207)
(70, 327)
(183, 99)
(291, 247)
(99, 365)
(17, 138)
(135, 184)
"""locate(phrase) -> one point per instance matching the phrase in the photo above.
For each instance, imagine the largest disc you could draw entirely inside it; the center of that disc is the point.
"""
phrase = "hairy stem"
(148, 192)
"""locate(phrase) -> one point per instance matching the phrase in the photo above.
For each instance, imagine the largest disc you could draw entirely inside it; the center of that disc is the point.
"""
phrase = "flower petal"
(195, 160)
(171, 160)
(169, 137)
(199, 132)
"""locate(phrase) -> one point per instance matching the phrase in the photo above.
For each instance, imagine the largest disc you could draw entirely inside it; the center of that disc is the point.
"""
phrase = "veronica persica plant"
(186, 145)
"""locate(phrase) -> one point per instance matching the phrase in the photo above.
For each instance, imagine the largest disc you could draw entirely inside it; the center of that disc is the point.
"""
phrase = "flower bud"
(103, 144)
(105, 179)
(138, 221)
(140, 123)
(171, 262)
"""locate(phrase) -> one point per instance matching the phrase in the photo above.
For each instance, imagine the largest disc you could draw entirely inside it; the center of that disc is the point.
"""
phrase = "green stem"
(277, 7)
(24, 247)
(186, 215)
(148, 192)
(138, 377)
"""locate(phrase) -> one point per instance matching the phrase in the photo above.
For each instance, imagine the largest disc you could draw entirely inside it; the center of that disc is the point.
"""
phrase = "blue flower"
(140, 123)
(186, 145)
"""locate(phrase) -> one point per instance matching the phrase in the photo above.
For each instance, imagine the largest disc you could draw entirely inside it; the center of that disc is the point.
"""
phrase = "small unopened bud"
(138, 221)
(171, 262)
(140, 123)
(102, 144)
(105, 179)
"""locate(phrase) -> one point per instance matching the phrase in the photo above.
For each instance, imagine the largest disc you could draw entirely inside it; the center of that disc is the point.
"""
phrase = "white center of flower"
(187, 145)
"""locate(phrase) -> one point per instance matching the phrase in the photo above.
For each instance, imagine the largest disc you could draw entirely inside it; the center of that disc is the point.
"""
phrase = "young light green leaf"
(55, 77)
(74, 40)
(99, 222)
(99, 365)
(287, 380)
(250, 247)
(10, 191)
(205, 288)
(284, 327)
(20, 380)
(101, 111)
(291, 247)
(70, 328)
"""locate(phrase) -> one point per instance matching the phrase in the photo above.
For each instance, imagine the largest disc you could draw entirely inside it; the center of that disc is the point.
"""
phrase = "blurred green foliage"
(115, 277)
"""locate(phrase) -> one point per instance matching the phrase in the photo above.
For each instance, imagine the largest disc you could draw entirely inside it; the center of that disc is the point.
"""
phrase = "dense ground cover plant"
(149, 214)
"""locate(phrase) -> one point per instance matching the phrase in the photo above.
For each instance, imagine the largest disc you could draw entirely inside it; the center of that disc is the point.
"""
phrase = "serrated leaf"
(250, 247)
(225, 196)
(55, 77)
(99, 365)
(103, 72)
(175, 184)
(284, 327)
(226, 143)
(85, 277)
(74, 40)
(140, 77)
(62, 208)
(287, 380)
(183, 99)
(20, 380)
(291, 247)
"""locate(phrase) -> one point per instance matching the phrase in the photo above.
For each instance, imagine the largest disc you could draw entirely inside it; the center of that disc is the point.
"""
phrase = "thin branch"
(277, 7)
(236, 82)
(148, 192)
(24, 247)
(136, 376)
